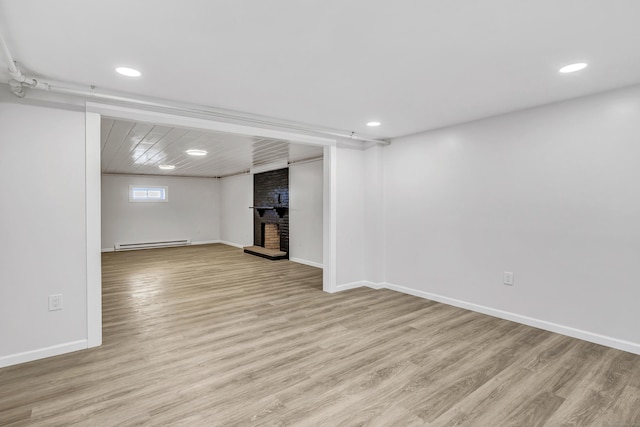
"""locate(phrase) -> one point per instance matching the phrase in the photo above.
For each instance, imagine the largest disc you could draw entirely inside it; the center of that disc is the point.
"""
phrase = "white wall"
(551, 194)
(42, 231)
(192, 212)
(350, 214)
(236, 219)
(305, 212)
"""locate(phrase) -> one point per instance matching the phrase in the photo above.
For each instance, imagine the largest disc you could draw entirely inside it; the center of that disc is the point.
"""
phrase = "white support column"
(93, 227)
(329, 220)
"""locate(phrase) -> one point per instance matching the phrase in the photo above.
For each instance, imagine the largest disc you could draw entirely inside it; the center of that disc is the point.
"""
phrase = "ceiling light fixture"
(572, 68)
(373, 124)
(129, 72)
(167, 167)
(196, 152)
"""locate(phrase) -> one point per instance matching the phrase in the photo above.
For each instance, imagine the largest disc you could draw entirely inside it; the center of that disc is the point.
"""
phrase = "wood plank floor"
(210, 336)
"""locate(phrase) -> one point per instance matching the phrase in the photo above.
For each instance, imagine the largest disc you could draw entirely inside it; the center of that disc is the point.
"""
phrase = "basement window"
(148, 194)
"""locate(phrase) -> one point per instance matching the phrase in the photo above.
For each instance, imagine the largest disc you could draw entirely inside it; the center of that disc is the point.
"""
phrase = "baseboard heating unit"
(151, 245)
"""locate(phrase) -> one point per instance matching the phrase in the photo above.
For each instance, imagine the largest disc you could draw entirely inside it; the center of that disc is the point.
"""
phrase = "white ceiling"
(411, 64)
(139, 148)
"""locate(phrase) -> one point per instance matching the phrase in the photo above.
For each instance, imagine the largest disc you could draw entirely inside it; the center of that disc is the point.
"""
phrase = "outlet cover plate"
(55, 302)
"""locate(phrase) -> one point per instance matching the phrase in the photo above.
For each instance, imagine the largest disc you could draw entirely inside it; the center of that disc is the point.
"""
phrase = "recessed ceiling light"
(196, 152)
(572, 68)
(373, 124)
(129, 72)
(167, 167)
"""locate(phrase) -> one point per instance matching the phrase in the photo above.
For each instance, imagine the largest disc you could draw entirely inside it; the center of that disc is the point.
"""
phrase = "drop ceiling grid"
(139, 148)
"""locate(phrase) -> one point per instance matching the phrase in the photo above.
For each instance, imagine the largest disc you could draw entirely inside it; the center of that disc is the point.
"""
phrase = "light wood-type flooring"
(210, 336)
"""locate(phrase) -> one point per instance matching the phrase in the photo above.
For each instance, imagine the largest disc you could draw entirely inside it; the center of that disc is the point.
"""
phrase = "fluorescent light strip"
(194, 152)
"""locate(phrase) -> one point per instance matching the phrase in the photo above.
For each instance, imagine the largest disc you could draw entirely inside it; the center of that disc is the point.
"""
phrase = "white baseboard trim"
(364, 283)
(616, 343)
(629, 346)
(235, 245)
(352, 285)
(373, 285)
(305, 262)
(41, 353)
(206, 242)
(107, 250)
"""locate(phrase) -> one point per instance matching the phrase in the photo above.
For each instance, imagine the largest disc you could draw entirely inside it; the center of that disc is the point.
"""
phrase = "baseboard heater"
(151, 245)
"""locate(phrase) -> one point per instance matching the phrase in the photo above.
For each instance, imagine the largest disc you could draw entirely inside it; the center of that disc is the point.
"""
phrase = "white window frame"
(164, 189)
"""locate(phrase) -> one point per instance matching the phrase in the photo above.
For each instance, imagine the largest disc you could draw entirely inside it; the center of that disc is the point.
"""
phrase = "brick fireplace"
(270, 215)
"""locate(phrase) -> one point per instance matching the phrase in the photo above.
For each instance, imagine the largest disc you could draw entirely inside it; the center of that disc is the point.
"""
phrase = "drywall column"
(329, 214)
(43, 235)
(350, 214)
(93, 227)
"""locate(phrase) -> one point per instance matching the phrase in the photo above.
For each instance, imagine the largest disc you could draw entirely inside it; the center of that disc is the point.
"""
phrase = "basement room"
(325, 213)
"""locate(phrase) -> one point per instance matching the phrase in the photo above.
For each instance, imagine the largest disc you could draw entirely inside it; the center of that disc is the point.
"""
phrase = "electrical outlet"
(55, 302)
(508, 278)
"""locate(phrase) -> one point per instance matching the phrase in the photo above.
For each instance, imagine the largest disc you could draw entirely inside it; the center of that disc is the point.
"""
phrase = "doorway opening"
(95, 159)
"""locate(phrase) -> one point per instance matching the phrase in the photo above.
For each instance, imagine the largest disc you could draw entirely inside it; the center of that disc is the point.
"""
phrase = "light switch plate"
(508, 278)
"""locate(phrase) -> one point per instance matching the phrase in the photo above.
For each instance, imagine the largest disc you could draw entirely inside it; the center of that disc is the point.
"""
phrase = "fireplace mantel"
(280, 210)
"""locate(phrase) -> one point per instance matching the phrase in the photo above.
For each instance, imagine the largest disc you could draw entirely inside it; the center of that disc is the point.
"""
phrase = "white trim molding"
(631, 347)
(329, 215)
(373, 285)
(306, 262)
(93, 229)
(347, 286)
(361, 284)
(214, 124)
(41, 353)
